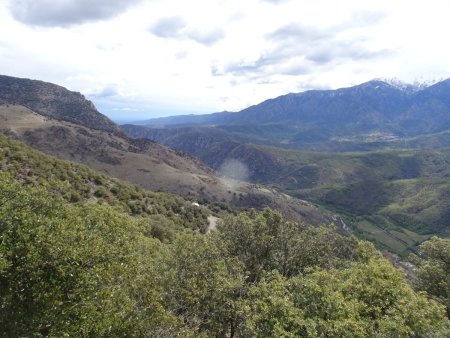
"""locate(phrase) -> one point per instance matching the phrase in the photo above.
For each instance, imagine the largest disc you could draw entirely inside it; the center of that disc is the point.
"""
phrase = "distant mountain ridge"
(374, 105)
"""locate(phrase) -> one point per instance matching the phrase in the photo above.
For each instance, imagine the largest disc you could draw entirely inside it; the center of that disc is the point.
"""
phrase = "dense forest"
(85, 255)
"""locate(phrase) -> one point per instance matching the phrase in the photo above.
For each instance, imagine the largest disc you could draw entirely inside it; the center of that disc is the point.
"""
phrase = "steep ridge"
(54, 101)
(153, 166)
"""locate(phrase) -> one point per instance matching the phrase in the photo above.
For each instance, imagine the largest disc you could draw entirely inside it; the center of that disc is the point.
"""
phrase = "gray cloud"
(207, 38)
(168, 27)
(285, 59)
(341, 51)
(365, 18)
(300, 59)
(274, 1)
(68, 12)
(296, 69)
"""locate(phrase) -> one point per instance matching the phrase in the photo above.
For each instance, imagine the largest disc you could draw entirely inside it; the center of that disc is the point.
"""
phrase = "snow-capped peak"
(408, 87)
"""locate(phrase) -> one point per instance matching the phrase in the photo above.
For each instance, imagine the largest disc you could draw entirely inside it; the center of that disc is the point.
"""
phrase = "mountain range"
(364, 117)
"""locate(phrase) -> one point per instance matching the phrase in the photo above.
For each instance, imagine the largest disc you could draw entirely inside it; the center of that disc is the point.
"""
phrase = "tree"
(366, 299)
(264, 241)
(200, 286)
(433, 270)
(70, 271)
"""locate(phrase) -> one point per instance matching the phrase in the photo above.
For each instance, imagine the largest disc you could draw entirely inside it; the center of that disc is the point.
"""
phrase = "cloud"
(302, 59)
(168, 27)
(296, 49)
(299, 33)
(267, 66)
(64, 13)
(176, 28)
(296, 69)
(207, 38)
(289, 44)
(366, 18)
(274, 1)
(341, 51)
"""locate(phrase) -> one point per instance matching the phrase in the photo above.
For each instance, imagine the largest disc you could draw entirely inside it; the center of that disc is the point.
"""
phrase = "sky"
(138, 59)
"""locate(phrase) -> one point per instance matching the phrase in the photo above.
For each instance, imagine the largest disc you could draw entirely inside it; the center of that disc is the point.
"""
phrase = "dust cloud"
(233, 172)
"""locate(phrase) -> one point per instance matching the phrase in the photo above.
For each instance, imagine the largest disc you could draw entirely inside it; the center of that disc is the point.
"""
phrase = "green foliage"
(368, 299)
(271, 312)
(79, 184)
(264, 242)
(101, 192)
(376, 299)
(433, 270)
(201, 285)
(69, 271)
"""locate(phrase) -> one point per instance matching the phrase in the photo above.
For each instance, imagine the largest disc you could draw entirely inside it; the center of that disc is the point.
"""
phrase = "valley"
(394, 193)
(372, 153)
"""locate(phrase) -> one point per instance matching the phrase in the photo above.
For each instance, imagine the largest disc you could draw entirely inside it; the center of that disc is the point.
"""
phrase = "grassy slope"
(395, 198)
(79, 184)
(150, 165)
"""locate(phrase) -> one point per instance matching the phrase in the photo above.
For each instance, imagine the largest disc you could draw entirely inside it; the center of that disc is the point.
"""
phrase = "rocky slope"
(48, 99)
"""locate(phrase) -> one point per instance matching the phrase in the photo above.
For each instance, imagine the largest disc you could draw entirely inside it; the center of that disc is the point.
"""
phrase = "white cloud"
(165, 57)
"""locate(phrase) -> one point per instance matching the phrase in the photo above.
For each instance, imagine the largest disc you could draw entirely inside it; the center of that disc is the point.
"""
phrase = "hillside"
(48, 99)
(77, 259)
(142, 162)
(80, 185)
(396, 198)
